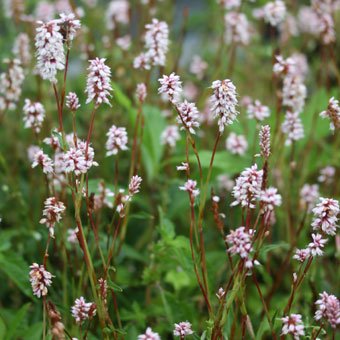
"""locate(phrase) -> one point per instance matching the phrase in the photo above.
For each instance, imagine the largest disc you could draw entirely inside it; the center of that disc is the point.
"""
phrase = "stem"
(90, 130)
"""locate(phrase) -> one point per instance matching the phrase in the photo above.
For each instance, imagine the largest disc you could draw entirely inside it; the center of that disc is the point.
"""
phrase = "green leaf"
(17, 270)
(2, 328)
(114, 286)
(178, 279)
(17, 321)
(152, 150)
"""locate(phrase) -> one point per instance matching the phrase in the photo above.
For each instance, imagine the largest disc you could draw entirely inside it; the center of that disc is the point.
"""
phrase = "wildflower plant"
(169, 171)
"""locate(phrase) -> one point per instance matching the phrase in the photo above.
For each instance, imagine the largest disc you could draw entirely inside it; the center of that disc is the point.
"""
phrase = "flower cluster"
(72, 101)
(274, 12)
(328, 308)
(190, 187)
(188, 116)
(82, 310)
(248, 187)
(309, 195)
(79, 158)
(53, 210)
(258, 111)
(50, 50)
(332, 113)
(292, 127)
(325, 216)
(117, 140)
(156, 45)
(265, 141)
(240, 242)
(10, 85)
(117, 13)
(183, 329)
(21, 49)
(223, 102)
(237, 28)
(171, 86)
(149, 335)
(293, 325)
(34, 114)
(236, 144)
(170, 135)
(40, 158)
(40, 279)
(98, 86)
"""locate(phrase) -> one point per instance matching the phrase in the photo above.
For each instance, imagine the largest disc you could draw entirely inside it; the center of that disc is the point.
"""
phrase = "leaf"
(114, 286)
(33, 332)
(178, 279)
(152, 150)
(16, 269)
(17, 321)
(2, 328)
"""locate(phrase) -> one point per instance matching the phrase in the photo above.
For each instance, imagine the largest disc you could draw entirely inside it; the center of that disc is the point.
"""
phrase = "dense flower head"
(223, 102)
(52, 213)
(265, 141)
(34, 114)
(170, 135)
(117, 12)
(258, 111)
(236, 144)
(327, 175)
(79, 160)
(21, 49)
(293, 325)
(134, 185)
(294, 93)
(283, 66)
(302, 254)
(141, 62)
(248, 187)
(50, 50)
(117, 140)
(156, 42)
(82, 310)
(141, 92)
(270, 198)
(198, 66)
(189, 116)
(69, 26)
(98, 86)
(40, 158)
(40, 279)
(328, 308)
(10, 84)
(317, 244)
(225, 183)
(325, 216)
(149, 335)
(183, 329)
(292, 127)
(309, 195)
(72, 235)
(237, 28)
(332, 113)
(274, 12)
(72, 101)
(240, 242)
(171, 86)
(190, 186)
(104, 197)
